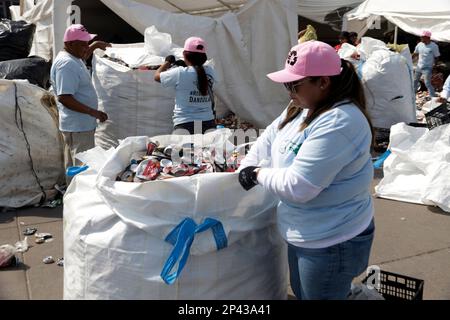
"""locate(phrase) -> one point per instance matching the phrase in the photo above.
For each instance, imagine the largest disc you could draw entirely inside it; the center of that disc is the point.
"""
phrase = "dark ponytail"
(197, 59)
(344, 86)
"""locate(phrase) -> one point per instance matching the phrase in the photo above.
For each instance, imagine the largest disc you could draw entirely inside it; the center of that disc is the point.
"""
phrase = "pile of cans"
(167, 162)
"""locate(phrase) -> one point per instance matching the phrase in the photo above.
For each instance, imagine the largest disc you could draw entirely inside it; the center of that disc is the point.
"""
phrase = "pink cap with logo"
(77, 32)
(308, 59)
(195, 44)
(426, 33)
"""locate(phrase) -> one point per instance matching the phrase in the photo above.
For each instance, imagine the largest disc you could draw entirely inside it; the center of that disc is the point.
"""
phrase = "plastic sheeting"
(35, 120)
(412, 16)
(114, 234)
(417, 169)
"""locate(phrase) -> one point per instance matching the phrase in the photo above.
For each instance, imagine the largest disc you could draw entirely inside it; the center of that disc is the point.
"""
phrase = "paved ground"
(410, 240)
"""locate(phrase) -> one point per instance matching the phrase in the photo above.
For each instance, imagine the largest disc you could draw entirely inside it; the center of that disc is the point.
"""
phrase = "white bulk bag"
(136, 104)
(388, 84)
(35, 121)
(417, 169)
(114, 235)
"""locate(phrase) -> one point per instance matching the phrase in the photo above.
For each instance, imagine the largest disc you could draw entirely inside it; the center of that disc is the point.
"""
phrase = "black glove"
(247, 177)
(170, 59)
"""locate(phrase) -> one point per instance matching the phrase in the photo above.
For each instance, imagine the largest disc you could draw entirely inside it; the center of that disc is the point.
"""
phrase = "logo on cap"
(292, 58)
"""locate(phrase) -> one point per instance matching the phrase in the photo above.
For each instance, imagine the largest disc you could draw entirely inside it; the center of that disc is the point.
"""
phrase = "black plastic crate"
(398, 287)
(438, 116)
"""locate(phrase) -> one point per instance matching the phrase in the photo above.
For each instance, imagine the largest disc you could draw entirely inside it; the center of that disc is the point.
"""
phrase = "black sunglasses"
(291, 86)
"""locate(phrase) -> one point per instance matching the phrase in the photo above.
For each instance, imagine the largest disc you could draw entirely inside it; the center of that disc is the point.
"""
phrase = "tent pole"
(395, 35)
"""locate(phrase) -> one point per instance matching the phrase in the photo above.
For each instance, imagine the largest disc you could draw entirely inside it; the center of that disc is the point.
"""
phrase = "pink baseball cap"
(426, 33)
(77, 32)
(308, 59)
(195, 44)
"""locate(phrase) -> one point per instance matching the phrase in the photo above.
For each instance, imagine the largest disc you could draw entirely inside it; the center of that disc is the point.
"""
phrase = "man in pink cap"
(428, 53)
(320, 170)
(76, 97)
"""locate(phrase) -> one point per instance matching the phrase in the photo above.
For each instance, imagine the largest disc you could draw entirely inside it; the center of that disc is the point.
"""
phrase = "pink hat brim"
(87, 38)
(284, 76)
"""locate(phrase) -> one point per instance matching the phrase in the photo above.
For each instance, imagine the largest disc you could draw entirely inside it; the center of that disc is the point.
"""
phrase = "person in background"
(344, 37)
(321, 170)
(353, 38)
(445, 94)
(193, 84)
(76, 97)
(428, 53)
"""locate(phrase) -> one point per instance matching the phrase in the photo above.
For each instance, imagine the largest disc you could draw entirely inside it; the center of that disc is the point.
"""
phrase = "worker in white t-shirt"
(428, 53)
(321, 170)
(193, 84)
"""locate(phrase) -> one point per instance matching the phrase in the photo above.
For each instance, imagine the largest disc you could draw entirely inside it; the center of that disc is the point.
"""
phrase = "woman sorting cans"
(321, 170)
(193, 85)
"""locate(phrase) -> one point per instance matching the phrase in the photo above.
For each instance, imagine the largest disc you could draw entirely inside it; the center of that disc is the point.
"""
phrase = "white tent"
(412, 16)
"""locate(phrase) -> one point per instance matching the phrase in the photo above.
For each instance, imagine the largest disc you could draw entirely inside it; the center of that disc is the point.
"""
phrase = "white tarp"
(114, 234)
(412, 16)
(34, 120)
(418, 168)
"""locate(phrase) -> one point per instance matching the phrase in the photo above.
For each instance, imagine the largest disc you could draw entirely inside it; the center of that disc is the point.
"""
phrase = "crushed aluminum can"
(127, 176)
(44, 236)
(48, 260)
(151, 146)
(167, 170)
(60, 262)
(166, 163)
(134, 167)
(29, 231)
(179, 171)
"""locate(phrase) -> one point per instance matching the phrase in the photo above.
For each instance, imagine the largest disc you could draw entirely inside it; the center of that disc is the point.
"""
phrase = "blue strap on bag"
(182, 237)
(380, 160)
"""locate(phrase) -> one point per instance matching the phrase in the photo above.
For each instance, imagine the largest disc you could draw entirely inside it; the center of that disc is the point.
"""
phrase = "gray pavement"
(410, 239)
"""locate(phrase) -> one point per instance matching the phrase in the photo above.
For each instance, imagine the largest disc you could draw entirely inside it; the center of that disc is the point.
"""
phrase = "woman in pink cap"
(321, 170)
(194, 100)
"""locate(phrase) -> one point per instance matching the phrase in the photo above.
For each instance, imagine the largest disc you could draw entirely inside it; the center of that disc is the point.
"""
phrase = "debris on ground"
(60, 262)
(48, 260)
(231, 121)
(29, 231)
(8, 253)
(43, 237)
(52, 204)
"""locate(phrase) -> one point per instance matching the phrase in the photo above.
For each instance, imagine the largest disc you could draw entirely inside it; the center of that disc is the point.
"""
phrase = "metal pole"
(395, 35)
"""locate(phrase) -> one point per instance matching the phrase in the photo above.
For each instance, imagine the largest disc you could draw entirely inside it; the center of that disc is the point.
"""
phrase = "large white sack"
(388, 84)
(114, 235)
(38, 119)
(417, 170)
(136, 104)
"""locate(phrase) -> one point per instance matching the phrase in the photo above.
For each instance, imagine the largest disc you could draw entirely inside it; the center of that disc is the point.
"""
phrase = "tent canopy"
(413, 16)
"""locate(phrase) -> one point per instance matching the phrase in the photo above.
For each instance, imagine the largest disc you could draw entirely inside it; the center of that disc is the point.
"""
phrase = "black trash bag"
(34, 69)
(16, 39)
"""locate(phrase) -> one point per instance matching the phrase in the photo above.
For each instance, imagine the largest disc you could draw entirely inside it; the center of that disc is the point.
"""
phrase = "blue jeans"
(327, 274)
(427, 73)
